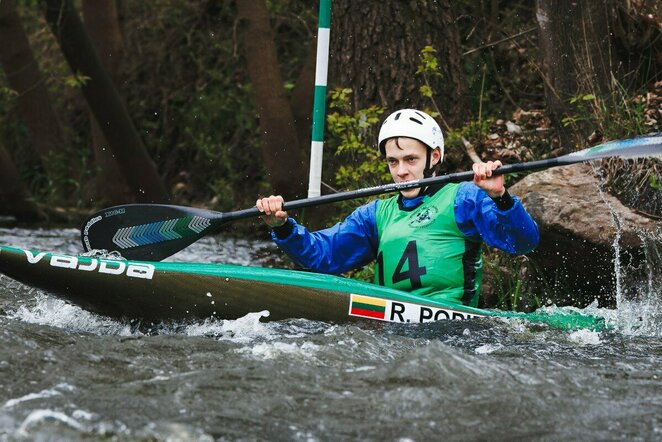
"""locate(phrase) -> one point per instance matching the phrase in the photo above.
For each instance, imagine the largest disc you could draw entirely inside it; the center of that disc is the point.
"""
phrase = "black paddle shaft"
(397, 187)
(153, 232)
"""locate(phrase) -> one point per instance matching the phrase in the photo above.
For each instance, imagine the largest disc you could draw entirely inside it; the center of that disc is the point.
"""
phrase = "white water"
(71, 375)
(639, 305)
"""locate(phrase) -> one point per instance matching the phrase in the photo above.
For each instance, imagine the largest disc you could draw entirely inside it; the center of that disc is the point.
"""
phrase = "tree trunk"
(375, 49)
(281, 151)
(101, 21)
(15, 200)
(576, 51)
(104, 101)
(24, 76)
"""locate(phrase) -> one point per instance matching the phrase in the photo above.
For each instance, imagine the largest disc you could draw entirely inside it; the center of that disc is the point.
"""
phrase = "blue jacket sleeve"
(512, 230)
(347, 245)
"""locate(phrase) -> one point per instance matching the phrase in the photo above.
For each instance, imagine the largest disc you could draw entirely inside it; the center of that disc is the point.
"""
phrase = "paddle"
(155, 231)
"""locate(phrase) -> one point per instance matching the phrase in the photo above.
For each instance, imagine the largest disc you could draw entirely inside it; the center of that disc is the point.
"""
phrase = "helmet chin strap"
(428, 172)
(429, 169)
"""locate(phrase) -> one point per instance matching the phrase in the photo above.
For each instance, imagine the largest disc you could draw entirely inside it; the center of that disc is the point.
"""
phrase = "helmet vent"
(415, 120)
(397, 116)
(420, 114)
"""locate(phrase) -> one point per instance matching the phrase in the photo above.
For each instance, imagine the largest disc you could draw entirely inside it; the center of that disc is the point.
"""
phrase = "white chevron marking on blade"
(167, 230)
(198, 224)
(122, 239)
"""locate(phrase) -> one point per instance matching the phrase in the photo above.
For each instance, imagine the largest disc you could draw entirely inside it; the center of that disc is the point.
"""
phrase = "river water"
(66, 374)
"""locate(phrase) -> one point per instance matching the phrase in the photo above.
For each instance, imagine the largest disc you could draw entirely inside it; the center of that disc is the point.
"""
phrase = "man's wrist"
(284, 230)
(497, 195)
(503, 202)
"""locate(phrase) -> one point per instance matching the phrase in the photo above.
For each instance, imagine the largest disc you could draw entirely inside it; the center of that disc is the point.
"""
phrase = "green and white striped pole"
(319, 104)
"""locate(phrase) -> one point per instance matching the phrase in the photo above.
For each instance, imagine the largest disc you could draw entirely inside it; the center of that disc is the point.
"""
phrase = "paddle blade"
(147, 232)
(645, 146)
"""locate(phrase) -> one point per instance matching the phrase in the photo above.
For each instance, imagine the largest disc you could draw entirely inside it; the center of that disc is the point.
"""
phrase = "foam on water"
(55, 391)
(46, 310)
(54, 312)
(585, 337)
(39, 417)
(488, 348)
(637, 318)
(639, 305)
(273, 350)
(174, 432)
(242, 330)
(103, 253)
(83, 415)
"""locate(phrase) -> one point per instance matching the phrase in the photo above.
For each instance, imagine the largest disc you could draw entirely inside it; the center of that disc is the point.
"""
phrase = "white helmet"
(412, 123)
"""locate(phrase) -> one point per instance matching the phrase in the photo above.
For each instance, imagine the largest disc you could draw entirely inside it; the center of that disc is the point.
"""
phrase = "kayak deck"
(161, 291)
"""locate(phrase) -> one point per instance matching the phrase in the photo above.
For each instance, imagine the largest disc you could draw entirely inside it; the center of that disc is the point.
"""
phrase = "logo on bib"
(423, 218)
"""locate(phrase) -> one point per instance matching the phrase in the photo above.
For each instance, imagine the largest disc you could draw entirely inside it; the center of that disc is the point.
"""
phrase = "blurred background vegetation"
(182, 73)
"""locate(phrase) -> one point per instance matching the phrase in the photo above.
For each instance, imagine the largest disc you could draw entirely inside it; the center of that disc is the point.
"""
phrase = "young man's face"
(406, 161)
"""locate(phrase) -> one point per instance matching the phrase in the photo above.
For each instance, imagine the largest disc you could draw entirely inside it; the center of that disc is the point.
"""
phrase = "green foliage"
(428, 67)
(76, 80)
(352, 136)
(366, 273)
(7, 93)
(582, 108)
(612, 115)
(65, 184)
(505, 275)
(70, 169)
(10, 126)
(429, 64)
(654, 183)
(426, 91)
(473, 130)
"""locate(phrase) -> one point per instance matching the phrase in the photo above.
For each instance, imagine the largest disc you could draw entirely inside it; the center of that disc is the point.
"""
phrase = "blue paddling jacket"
(353, 243)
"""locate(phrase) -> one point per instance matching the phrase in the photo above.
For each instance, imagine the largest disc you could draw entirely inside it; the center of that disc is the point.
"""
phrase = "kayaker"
(427, 241)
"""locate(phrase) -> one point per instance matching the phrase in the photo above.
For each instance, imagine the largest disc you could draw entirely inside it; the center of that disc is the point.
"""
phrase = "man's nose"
(402, 169)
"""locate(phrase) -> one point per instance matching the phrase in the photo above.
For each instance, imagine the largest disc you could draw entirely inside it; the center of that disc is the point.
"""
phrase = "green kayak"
(162, 291)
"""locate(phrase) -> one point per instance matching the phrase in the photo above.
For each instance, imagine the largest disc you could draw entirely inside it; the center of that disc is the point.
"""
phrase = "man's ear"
(436, 157)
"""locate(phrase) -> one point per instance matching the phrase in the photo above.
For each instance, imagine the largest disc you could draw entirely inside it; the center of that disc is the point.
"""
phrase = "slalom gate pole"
(319, 104)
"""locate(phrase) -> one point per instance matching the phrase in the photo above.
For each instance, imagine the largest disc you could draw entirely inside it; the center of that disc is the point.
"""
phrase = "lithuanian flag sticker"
(367, 307)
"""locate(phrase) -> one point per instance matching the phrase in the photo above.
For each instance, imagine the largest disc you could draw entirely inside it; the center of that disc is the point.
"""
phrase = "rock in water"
(579, 224)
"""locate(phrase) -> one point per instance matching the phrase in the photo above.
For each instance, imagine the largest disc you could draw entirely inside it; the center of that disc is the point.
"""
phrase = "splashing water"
(103, 253)
(46, 310)
(638, 302)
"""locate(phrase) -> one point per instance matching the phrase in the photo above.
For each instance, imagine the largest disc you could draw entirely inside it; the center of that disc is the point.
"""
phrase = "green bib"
(424, 252)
